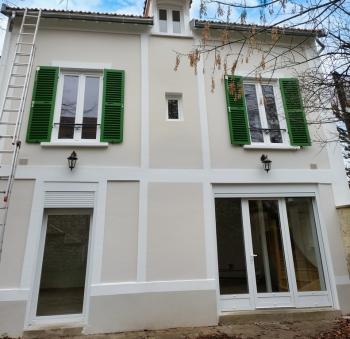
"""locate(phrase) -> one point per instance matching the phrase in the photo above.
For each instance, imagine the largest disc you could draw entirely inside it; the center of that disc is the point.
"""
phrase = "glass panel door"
(269, 254)
(269, 259)
(231, 250)
(305, 246)
(63, 272)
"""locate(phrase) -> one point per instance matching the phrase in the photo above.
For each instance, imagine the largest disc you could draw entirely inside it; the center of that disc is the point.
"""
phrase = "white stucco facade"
(152, 255)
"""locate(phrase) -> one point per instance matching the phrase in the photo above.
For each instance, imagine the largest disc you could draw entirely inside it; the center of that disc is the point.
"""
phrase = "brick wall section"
(344, 215)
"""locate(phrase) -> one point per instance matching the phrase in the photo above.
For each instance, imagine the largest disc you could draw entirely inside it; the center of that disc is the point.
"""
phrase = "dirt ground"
(325, 329)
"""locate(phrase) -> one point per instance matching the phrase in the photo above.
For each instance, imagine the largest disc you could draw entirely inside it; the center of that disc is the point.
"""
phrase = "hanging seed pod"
(232, 88)
(177, 63)
(233, 68)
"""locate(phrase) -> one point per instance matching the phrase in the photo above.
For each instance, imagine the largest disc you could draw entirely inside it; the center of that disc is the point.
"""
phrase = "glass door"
(270, 254)
(65, 245)
(232, 260)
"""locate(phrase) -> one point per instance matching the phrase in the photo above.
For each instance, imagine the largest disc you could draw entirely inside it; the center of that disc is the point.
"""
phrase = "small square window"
(174, 107)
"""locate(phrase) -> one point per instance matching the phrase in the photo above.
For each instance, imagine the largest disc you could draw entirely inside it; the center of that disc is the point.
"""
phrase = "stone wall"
(344, 216)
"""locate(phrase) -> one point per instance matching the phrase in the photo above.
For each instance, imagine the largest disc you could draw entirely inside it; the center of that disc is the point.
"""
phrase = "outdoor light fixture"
(266, 162)
(72, 160)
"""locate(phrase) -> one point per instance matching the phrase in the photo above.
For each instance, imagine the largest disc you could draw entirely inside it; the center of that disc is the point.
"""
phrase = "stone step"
(52, 332)
(279, 315)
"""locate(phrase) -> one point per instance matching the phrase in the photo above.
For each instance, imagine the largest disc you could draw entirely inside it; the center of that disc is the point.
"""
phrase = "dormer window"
(170, 21)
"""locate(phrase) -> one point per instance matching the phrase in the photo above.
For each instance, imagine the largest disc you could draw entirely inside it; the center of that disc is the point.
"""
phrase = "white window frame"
(80, 107)
(263, 117)
(170, 27)
(178, 97)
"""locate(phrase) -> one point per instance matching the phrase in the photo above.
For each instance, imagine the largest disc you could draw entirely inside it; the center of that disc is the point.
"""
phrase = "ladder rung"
(16, 86)
(6, 151)
(26, 34)
(13, 98)
(10, 110)
(7, 123)
(29, 24)
(20, 64)
(6, 136)
(17, 75)
(31, 16)
(25, 43)
(22, 54)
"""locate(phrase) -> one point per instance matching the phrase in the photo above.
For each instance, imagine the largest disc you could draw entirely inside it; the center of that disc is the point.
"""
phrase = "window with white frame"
(170, 21)
(265, 113)
(78, 108)
(174, 107)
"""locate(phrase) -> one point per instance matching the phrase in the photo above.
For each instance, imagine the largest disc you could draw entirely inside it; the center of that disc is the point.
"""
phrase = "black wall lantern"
(72, 160)
(266, 162)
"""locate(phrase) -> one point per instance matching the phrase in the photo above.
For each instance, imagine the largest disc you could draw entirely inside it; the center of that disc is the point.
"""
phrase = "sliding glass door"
(269, 253)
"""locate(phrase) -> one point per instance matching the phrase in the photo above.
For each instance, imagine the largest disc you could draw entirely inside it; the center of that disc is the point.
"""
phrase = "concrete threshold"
(44, 332)
(279, 315)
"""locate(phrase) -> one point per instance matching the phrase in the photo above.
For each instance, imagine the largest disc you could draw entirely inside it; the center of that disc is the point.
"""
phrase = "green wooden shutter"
(113, 106)
(294, 111)
(43, 105)
(237, 112)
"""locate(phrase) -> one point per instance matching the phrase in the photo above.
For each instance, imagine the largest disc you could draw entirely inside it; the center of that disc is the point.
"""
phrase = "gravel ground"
(326, 329)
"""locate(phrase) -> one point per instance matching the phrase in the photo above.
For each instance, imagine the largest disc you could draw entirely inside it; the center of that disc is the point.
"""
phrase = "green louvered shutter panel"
(294, 110)
(113, 106)
(237, 112)
(43, 105)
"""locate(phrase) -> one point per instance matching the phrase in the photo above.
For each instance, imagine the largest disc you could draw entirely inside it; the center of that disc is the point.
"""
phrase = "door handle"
(254, 255)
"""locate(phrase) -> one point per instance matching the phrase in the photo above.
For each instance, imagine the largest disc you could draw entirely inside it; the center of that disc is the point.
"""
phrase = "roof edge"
(243, 27)
(76, 15)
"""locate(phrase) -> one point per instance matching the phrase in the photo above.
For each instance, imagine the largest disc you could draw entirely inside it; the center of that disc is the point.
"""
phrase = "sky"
(119, 6)
(129, 7)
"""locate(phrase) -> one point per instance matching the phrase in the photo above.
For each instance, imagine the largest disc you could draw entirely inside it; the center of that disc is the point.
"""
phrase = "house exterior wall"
(153, 232)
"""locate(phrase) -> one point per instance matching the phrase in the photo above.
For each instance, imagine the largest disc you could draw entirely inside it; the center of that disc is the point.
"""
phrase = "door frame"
(279, 191)
(69, 318)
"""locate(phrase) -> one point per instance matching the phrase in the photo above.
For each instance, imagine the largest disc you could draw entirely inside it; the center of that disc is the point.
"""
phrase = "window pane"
(69, 107)
(176, 16)
(231, 252)
(162, 14)
(253, 113)
(163, 21)
(271, 114)
(91, 101)
(176, 22)
(305, 247)
(270, 265)
(63, 272)
(173, 109)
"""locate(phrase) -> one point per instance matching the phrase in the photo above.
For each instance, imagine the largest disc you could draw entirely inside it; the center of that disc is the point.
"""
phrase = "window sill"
(173, 35)
(271, 147)
(75, 144)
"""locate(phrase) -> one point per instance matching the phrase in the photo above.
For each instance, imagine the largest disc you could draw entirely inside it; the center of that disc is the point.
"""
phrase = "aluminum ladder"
(12, 110)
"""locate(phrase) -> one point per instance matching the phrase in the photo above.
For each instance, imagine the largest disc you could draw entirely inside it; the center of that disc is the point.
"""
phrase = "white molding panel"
(153, 287)
(13, 294)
